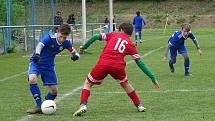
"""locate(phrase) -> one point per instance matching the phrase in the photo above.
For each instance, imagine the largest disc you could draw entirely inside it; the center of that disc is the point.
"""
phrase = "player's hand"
(200, 52)
(81, 49)
(156, 84)
(75, 56)
(36, 58)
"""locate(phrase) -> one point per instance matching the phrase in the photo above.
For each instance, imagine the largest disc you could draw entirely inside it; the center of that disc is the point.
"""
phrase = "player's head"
(71, 15)
(63, 32)
(138, 13)
(58, 13)
(127, 28)
(185, 28)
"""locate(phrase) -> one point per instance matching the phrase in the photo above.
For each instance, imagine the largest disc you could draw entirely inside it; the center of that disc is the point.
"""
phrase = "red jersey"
(117, 47)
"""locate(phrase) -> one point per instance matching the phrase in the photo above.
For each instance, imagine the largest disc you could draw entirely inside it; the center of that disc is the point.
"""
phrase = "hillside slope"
(198, 13)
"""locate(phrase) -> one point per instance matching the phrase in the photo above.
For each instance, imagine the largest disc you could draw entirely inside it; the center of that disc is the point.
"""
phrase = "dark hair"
(71, 15)
(64, 29)
(127, 28)
(187, 26)
(138, 13)
(58, 12)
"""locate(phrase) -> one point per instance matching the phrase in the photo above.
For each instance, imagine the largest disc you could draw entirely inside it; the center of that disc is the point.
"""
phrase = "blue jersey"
(138, 22)
(177, 40)
(50, 49)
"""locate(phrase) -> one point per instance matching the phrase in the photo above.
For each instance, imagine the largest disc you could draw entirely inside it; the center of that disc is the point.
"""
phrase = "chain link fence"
(25, 38)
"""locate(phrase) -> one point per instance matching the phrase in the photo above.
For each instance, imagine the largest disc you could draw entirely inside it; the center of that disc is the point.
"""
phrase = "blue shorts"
(48, 74)
(138, 30)
(174, 51)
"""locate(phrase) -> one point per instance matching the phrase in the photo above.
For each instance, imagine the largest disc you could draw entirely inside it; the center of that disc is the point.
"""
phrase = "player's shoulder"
(68, 42)
(190, 33)
(52, 35)
(178, 34)
(46, 38)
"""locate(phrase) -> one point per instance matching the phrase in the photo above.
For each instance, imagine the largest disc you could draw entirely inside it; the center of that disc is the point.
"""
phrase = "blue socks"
(186, 65)
(35, 91)
(49, 96)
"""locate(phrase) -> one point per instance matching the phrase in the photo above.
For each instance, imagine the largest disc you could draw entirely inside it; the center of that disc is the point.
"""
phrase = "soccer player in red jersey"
(112, 62)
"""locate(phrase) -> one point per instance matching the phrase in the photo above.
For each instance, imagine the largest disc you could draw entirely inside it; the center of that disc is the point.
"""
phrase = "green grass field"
(179, 98)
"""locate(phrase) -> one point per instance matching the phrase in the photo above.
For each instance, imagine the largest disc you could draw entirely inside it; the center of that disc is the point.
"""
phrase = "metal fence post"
(92, 28)
(25, 44)
(4, 41)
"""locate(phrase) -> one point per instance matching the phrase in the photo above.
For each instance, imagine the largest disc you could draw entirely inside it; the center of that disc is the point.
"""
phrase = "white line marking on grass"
(70, 93)
(160, 91)
(13, 76)
(148, 53)
(16, 75)
(58, 99)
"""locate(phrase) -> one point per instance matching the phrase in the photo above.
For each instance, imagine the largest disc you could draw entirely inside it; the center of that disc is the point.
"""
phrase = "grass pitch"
(179, 98)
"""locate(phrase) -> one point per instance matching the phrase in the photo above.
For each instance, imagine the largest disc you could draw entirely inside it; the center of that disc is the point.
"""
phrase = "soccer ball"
(48, 107)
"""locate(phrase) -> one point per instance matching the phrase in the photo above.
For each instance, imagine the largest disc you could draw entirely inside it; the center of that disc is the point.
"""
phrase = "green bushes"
(17, 10)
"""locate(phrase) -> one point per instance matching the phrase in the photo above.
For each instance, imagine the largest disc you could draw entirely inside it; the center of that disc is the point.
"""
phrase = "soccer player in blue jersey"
(176, 45)
(42, 63)
(138, 23)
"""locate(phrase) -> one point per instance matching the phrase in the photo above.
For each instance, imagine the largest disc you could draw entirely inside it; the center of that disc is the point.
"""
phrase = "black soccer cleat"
(171, 68)
(188, 74)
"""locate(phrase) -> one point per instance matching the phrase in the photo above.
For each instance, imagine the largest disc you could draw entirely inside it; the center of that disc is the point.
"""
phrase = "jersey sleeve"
(105, 36)
(68, 45)
(134, 21)
(143, 20)
(133, 52)
(192, 36)
(194, 40)
(46, 40)
(173, 38)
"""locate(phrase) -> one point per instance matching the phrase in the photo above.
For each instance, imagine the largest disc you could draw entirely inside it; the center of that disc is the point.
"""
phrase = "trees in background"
(17, 9)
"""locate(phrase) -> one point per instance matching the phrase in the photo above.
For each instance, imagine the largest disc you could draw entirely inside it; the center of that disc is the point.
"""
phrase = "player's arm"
(36, 57)
(144, 22)
(74, 54)
(89, 42)
(39, 48)
(134, 21)
(147, 71)
(195, 43)
(166, 51)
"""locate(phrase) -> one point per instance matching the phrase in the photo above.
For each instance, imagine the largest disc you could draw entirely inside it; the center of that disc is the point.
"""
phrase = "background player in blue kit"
(138, 22)
(176, 45)
(42, 63)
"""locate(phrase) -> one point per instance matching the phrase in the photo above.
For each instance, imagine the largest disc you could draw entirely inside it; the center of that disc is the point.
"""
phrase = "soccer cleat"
(81, 110)
(188, 74)
(136, 43)
(141, 41)
(171, 67)
(34, 110)
(140, 108)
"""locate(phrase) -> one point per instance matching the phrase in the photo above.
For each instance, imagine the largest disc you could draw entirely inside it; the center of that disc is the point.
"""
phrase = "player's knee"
(53, 90)
(32, 79)
(124, 84)
(186, 57)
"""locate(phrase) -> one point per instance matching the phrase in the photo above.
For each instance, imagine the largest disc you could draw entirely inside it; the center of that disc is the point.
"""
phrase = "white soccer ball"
(48, 107)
